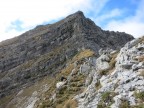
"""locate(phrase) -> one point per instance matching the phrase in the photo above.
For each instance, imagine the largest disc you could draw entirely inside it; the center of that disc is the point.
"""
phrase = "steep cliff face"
(47, 50)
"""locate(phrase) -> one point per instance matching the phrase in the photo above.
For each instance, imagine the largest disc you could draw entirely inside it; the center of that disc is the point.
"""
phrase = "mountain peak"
(47, 50)
(78, 14)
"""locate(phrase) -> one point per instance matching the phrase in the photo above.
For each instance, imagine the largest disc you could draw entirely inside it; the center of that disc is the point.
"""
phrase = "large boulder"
(103, 62)
(59, 85)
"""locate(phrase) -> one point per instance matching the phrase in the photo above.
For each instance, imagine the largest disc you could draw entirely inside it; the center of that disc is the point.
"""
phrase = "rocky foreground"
(116, 80)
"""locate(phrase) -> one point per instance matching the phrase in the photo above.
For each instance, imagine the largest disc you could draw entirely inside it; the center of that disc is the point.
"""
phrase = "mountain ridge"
(46, 50)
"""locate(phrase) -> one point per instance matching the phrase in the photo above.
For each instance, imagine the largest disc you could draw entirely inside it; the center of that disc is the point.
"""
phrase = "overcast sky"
(18, 16)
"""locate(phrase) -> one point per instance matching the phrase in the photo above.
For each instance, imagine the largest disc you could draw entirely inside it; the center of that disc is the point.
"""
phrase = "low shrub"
(98, 85)
(139, 95)
(101, 105)
(124, 104)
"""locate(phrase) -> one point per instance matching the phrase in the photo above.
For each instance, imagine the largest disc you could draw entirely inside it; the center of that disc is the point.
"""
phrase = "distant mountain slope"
(46, 50)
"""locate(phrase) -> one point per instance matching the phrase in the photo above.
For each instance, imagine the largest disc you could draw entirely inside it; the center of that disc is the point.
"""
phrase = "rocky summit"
(72, 63)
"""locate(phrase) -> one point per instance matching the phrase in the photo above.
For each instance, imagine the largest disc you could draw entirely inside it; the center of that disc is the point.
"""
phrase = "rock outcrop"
(119, 85)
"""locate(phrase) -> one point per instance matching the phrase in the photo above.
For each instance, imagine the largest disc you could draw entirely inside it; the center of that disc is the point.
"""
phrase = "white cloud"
(97, 6)
(34, 12)
(132, 27)
(114, 13)
(133, 24)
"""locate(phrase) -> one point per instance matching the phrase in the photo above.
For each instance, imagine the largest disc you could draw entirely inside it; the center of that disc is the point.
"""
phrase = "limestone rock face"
(59, 85)
(102, 62)
(47, 49)
(119, 83)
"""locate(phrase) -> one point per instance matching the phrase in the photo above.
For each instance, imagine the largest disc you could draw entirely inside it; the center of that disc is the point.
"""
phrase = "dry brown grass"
(98, 85)
(113, 60)
(83, 54)
(141, 105)
(71, 103)
(140, 58)
(75, 86)
(103, 72)
(142, 74)
(27, 64)
(37, 86)
(66, 71)
(4, 101)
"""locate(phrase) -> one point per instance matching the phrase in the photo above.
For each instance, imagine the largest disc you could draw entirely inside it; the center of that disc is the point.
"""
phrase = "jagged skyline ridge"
(109, 14)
